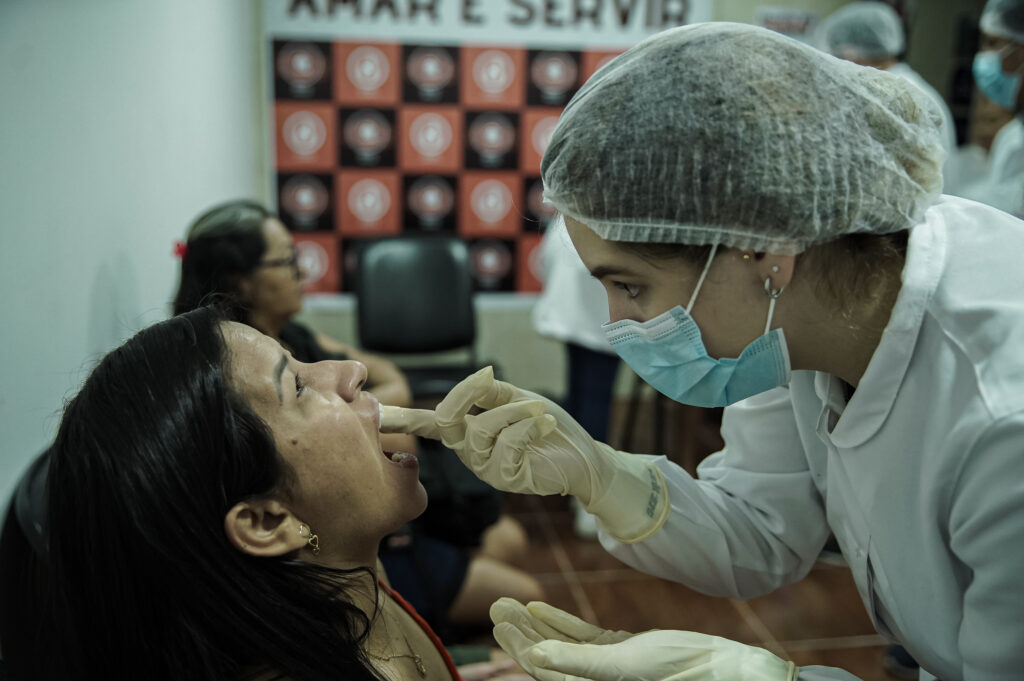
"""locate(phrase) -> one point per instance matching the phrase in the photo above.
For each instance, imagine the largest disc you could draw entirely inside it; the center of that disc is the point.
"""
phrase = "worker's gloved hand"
(523, 442)
(539, 621)
(651, 656)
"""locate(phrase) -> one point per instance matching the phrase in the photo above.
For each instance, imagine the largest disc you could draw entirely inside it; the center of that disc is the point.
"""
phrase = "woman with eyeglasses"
(243, 255)
(240, 251)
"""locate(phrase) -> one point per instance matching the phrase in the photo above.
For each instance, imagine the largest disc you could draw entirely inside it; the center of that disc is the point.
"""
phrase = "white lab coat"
(574, 305)
(951, 180)
(1003, 185)
(920, 476)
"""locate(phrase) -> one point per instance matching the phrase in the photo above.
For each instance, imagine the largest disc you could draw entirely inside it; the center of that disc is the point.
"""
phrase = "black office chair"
(415, 297)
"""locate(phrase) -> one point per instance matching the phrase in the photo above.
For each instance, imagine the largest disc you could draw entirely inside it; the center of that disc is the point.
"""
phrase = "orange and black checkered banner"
(438, 131)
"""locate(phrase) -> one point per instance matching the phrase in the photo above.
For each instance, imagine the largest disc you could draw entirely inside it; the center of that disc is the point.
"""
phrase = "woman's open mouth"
(403, 459)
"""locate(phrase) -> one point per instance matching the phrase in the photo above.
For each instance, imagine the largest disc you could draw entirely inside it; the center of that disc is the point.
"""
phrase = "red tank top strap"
(426, 629)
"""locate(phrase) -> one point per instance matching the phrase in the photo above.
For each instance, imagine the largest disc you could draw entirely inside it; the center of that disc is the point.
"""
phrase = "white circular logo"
(491, 200)
(313, 260)
(368, 133)
(493, 71)
(304, 133)
(554, 73)
(430, 134)
(368, 68)
(369, 200)
(491, 260)
(540, 136)
(431, 198)
(302, 65)
(305, 197)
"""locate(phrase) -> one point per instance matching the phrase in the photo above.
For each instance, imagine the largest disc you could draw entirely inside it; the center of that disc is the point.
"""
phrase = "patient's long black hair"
(149, 457)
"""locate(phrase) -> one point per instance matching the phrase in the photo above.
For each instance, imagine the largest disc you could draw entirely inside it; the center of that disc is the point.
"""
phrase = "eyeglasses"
(291, 261)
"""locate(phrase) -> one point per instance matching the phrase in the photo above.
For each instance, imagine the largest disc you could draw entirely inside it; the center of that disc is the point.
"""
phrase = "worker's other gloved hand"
(659, 655)
(525, 443)
(539, 621)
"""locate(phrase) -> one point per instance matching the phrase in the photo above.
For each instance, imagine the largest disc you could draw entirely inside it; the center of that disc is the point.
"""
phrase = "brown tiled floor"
(817, 621)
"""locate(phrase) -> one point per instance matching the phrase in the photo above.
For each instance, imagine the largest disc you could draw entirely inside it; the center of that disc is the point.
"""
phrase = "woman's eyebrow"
(602, 271)
(278, 370)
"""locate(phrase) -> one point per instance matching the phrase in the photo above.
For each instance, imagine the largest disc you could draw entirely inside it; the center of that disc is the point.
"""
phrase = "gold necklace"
(412, 654)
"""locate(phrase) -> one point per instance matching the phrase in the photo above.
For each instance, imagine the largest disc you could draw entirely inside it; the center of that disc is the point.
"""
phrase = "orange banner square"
(537, 126)
(368, 203)
(320, 260)
(592, 60)
(430, 139)
(305, 136)
(528, 265)
(493, 77)
(367, 74)
(488, 205)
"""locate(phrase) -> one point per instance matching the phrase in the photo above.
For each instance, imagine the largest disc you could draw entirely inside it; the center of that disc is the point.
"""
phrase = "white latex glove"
(618, 656)
(525, 443)
(539, 621)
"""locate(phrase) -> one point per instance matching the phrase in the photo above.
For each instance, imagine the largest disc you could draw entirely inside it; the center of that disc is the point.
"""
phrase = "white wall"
(119, 121)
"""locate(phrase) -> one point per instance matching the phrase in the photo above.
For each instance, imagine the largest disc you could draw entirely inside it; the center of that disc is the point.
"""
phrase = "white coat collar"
(871, 403)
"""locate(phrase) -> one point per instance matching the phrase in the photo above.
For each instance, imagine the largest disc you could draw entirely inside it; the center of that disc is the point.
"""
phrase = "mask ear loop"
(773, 295)
(700, 282)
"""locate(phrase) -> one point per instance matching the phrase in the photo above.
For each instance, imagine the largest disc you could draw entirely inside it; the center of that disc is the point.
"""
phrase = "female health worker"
(999, 73)
(768, 225)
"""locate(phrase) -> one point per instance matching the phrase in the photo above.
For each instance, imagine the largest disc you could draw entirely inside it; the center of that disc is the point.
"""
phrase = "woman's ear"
(243, 285)
(263, 527)
(778, 268)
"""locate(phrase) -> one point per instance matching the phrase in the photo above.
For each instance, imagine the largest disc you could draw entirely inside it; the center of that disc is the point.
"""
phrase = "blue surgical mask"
(668, 353)
(1001, 88)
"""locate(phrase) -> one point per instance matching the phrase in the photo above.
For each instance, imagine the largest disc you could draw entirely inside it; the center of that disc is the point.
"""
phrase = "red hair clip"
(180, 249)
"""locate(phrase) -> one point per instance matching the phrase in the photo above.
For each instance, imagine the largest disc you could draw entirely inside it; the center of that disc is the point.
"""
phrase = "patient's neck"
(269, 325)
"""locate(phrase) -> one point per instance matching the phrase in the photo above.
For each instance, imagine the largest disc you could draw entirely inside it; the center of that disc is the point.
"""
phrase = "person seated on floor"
(214, 508)
(241, 252)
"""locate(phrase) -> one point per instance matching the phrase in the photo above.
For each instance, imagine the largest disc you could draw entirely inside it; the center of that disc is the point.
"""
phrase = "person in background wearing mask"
(998, 72)
(871, 34)
(767, 223)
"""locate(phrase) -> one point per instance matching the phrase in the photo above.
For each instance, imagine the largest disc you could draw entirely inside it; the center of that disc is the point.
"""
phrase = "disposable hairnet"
(733, 134)
(1004, 18)
(862, 29)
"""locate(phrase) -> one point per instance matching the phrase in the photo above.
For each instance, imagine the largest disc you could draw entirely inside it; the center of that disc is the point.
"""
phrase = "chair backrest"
(415, 295)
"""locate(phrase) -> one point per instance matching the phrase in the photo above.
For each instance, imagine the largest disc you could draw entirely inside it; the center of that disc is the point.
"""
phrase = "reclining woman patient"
(240, 250)
(215, 508)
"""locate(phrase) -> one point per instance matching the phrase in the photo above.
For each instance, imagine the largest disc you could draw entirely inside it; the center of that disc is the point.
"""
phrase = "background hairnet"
(862, 29)
(732, 134)
(1004, 18)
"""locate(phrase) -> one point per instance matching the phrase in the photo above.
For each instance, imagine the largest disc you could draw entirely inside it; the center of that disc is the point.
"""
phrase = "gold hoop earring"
(773, 293)
(312, 540)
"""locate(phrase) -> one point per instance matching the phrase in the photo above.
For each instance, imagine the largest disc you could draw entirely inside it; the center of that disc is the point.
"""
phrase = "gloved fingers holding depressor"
(447, 422)
(503, 445)
(419, 422)
(525, 443)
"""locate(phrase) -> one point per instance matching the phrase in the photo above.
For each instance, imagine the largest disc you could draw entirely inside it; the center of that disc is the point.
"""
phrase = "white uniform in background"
(1003, 184)
(952, 182)
(923, 486)
(573, 306)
